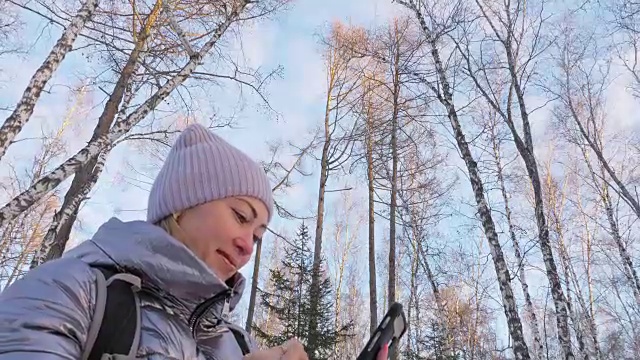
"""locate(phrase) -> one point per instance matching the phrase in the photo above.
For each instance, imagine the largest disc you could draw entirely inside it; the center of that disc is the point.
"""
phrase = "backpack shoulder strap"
(114, 332)
(241, 340)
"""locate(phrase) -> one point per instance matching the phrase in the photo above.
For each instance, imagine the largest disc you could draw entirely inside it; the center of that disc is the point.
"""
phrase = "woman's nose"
(244, 244)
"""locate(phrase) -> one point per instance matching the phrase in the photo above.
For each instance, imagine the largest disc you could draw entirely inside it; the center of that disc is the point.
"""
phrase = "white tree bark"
(628, 268)
(23, 111)
(60, 218)
(538, 348)
(71, 165)
(624, 192)
(445, 97)
(524, 145)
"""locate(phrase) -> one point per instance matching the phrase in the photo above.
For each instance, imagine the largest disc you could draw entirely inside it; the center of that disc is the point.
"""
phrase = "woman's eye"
(240, 217)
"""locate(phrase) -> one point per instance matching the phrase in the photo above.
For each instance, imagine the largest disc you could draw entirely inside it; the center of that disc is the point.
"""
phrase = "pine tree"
(435, 343)
(322, 342)
(291, 297)
(288, 301)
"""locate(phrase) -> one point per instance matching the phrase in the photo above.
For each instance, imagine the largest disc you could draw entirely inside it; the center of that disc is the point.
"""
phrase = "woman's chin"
(221, 271)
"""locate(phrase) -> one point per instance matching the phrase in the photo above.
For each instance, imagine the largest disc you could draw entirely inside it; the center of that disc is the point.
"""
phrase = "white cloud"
(306, 76)
(376, 10)
(623, 109)
(255, 43)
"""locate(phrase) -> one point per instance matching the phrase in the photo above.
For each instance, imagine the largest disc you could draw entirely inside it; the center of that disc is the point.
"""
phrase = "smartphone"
(389, 331)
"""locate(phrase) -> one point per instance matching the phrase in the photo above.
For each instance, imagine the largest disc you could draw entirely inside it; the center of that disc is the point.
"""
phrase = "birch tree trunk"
(511, 41)
(629, 271)
(22, 237)
(419, 190)
(587, 308)
(444, 95)
(583, 318)
(624, 192)
(87, 176)
(92, 149)
(555, 219)
(543, 236)
(52, 246)
(538, 351)
(21, 114)
(581, 88)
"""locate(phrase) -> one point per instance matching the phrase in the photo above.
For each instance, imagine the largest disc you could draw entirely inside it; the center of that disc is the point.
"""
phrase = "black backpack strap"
(114, 332)
(241, 340)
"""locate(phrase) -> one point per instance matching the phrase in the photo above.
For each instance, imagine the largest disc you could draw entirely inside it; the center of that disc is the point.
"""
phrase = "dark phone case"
(387, 333)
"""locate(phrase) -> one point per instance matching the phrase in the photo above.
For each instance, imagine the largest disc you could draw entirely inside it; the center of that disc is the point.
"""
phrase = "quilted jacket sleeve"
(46, 314)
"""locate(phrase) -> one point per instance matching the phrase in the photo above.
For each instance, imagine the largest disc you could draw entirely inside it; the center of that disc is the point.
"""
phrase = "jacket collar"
(164, 264)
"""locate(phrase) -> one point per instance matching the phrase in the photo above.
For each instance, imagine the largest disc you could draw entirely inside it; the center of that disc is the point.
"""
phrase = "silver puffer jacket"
(46, 314)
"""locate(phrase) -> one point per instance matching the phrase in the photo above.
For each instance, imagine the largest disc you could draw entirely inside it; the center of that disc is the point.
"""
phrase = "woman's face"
(222, 233)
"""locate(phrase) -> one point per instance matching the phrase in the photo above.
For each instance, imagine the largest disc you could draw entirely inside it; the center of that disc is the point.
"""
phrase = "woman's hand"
(290, 350)
(384, 352)
(294, 350)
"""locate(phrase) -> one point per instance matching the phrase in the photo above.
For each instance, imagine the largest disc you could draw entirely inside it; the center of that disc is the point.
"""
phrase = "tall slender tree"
(512, 25)
(434, 25)
(24, 109)
(337, 138)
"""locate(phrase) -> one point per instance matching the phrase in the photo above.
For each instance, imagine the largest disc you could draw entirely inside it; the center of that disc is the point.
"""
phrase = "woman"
(208, 206)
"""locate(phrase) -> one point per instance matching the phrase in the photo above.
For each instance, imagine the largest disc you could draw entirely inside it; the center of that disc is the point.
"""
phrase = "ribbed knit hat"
(202, 167)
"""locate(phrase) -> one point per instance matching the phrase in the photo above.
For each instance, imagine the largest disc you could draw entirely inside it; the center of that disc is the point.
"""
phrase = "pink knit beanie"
(202, 167)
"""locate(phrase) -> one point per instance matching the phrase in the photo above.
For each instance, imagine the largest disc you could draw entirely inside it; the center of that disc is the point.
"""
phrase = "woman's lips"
(228, 259)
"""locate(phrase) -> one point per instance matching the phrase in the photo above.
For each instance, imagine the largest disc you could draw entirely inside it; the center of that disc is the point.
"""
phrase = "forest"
(477, 161)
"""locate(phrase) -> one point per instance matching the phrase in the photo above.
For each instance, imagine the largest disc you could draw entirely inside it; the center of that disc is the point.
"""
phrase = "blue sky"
(288, 41)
